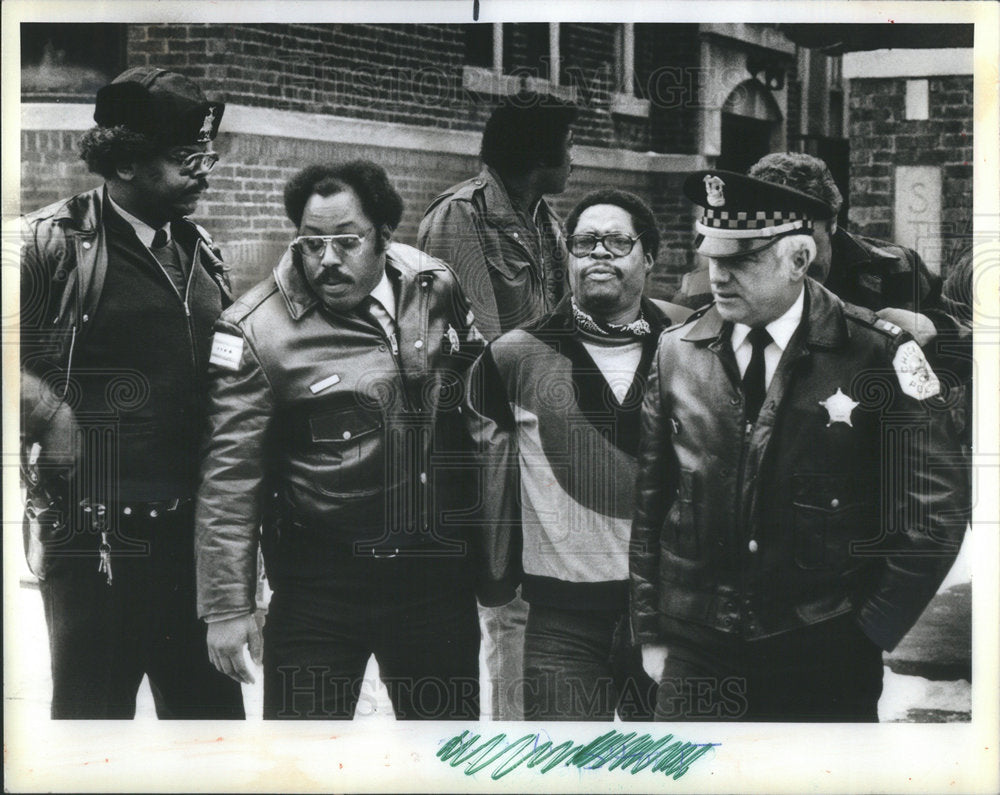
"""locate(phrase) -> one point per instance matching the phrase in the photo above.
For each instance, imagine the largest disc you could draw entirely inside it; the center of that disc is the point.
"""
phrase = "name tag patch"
(319, 386)
(227, 349)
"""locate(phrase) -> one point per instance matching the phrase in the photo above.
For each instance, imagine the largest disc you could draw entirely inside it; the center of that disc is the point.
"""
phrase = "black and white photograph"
(465, 395)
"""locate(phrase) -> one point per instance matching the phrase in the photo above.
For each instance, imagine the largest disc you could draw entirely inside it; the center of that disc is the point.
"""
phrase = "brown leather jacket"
(323, 436)
(819, 509)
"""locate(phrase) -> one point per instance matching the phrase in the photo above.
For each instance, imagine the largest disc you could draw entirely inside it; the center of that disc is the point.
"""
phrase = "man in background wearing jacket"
(119, 291)
(336, 427)
(506, 246)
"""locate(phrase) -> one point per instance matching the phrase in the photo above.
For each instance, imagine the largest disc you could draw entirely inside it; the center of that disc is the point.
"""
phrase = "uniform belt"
(152, 508)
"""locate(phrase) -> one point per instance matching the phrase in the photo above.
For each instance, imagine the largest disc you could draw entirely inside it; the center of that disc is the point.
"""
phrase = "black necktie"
(166, 254)
(754, 387)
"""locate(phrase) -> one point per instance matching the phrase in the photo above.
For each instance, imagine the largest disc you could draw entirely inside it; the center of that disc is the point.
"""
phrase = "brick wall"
(882, 138)
(244, 209)
(408, 74)
(402, 74)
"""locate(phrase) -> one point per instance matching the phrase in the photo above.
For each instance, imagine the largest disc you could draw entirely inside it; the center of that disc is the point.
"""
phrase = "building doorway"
(751, 127)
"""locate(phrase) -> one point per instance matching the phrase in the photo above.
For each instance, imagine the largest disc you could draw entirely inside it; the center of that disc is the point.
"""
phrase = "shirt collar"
(383, 293)
(781, 329)
(143, 230)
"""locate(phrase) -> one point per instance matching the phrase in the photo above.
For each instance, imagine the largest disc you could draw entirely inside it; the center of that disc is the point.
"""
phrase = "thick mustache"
(333, 277)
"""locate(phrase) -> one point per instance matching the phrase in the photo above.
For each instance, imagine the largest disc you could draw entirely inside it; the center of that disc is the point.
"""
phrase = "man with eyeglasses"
(119, 291)
(336, 436)
(555, 408)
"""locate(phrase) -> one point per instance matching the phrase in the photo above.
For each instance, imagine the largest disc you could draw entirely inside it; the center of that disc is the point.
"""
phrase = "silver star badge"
(839, 406)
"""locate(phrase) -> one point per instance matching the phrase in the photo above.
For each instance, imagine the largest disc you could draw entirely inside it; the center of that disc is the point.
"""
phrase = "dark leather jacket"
(511, 274)
(761, 529)
(321, 434)
(64, 259)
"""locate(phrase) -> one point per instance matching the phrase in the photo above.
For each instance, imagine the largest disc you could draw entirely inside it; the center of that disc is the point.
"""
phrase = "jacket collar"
(300, 299)
(823, 319)
(82, 212)
(854, 251)
(499, 210)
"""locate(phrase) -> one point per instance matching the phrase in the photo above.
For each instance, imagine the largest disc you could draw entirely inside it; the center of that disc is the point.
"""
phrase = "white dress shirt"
(384, 309)
(781, 331)
(143, 231)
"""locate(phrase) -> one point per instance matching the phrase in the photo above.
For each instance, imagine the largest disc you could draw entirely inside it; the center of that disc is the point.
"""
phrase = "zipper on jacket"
(187, 309)
(392, 345)
(193, 345)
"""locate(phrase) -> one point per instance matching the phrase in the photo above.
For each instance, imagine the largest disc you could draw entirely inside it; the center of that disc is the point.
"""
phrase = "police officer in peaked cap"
(796, 511)
(119, 291)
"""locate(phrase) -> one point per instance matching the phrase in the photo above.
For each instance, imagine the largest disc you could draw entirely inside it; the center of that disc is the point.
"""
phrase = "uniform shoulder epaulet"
(245, 305)
(699, 312)
(407, 257)
(868, 318)
(463, 191)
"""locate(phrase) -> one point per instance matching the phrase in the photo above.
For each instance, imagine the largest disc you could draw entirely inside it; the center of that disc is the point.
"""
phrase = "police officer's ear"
(801, 251)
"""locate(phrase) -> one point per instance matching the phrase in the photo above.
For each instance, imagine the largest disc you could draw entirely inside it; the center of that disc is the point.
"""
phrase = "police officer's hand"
(919, 326)
(226, 640)
(654, 660)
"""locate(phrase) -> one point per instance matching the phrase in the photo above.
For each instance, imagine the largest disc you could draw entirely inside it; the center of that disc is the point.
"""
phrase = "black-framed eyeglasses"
(617, 244)
(315, 245)
(194, 162)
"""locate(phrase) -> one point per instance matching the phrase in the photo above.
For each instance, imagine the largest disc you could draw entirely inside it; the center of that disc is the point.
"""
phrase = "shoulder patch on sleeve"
(916, 378)
(227, 350)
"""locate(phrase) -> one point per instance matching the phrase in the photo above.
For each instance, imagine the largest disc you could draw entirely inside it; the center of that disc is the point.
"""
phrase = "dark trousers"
(827, 672)
(421, 626)
(579, 665)
(104, 638)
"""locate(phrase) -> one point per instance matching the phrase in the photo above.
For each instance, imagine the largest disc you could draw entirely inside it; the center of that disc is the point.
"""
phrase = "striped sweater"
(558, 451)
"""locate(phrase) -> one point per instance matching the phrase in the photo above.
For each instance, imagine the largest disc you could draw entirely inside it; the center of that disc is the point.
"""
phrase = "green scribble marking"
(629, 752)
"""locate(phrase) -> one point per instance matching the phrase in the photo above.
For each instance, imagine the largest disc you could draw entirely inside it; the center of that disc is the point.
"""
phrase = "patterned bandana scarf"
(637, 328)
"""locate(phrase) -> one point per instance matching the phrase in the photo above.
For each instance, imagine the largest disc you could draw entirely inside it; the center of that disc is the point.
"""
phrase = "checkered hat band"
(751, 232)
(735, 219)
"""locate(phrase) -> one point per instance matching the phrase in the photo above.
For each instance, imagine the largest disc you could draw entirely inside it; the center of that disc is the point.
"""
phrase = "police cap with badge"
(741, 214)
(166, 106)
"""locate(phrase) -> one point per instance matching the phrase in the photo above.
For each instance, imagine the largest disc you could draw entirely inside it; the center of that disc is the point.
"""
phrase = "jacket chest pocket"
(827, 516)
(512, 271)
(348, 446)
(681, 529)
